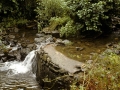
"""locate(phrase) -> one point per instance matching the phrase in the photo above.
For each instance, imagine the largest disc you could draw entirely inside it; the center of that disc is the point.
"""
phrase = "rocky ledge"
(54, 71)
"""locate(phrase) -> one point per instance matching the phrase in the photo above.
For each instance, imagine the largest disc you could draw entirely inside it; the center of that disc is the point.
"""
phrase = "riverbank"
(100, 55)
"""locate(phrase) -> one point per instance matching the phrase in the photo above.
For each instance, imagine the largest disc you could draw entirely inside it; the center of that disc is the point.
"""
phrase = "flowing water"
(16, 75)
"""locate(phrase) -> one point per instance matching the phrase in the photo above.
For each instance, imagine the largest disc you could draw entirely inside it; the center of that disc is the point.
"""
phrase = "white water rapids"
(17, 75)
(16, 67)
(20, 67)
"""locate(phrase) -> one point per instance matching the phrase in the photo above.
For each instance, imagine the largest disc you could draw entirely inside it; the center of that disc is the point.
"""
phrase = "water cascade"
(16, 75)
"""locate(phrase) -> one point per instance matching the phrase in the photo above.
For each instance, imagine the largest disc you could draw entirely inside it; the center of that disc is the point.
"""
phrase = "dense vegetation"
(103, 74)
(70, 17)
(77, 16)
(13, 12)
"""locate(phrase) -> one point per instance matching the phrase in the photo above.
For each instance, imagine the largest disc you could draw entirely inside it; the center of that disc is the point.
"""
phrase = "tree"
(16, 11)
(94, 15)
(84, 15)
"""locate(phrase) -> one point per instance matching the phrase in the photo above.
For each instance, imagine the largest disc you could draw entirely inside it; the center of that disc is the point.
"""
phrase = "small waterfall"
(16, 67)
(17, 75)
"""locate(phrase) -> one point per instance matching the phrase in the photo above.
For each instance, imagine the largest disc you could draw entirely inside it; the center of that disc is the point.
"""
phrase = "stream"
(16, 75)
(24, 81)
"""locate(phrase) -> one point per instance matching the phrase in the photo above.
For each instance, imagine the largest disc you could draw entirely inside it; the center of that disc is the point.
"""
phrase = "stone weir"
(54, 71)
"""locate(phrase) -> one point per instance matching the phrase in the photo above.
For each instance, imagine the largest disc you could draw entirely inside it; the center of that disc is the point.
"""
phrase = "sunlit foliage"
(86, 15)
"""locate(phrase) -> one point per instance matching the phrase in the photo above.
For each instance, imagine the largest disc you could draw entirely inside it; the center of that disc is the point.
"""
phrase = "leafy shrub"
(87, 15)
(14, 12)
(68, 29)
(17, 8)
(103, 75)
(10, 22)
(65, 25)
(56, 22)
(47, 10)
(94, 15)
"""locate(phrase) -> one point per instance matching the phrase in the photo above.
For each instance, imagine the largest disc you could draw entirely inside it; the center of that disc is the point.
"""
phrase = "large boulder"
(56, 70)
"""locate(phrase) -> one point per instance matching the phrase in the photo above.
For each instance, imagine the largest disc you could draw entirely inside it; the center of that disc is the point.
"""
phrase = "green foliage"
(50, 8)
(10, 22)
(66, 26)
(17, 8)
(91, 14)
(47, 10)
(103, 75)
(107, 72)
(94, 15)
(68, 29)
(55, 13)
(59, 20)
(86, 14)
(14, 12)
(56, 22)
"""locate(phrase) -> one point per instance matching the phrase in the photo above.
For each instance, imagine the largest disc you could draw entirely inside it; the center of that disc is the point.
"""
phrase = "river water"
(18, 75)
(24, 81)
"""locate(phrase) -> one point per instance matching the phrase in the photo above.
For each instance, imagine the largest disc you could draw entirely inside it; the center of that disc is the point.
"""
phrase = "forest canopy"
(70, 17)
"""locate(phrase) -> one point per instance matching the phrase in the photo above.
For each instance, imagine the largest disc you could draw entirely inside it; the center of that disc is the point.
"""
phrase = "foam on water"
(16, 67)
(20, 67)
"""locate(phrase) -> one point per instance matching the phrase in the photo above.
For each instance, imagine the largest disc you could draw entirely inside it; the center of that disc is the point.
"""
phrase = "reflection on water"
(25, 81)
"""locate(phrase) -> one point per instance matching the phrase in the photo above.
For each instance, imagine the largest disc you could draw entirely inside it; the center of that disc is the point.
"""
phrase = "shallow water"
(91, 47)
(9, 81)
(24, 79)
(16, 75)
